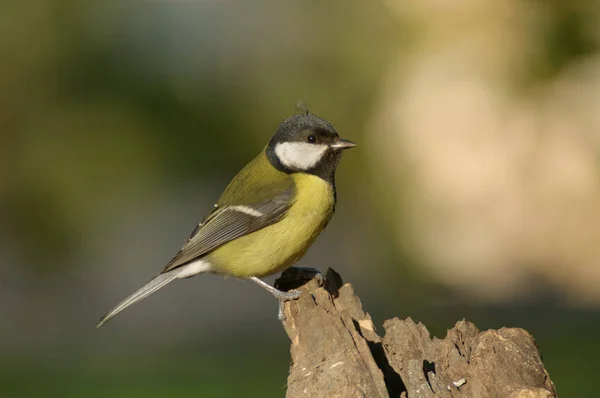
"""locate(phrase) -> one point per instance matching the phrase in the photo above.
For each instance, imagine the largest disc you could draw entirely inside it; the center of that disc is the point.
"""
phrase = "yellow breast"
(279, 246)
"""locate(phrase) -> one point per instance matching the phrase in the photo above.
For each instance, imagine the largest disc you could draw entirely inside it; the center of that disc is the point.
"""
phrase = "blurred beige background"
(495, 110)
(474, 193)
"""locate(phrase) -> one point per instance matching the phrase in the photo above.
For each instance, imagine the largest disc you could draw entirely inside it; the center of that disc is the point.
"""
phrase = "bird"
(268, 215)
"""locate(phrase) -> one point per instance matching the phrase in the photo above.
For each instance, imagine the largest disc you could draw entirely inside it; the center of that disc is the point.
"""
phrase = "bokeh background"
(475, 191)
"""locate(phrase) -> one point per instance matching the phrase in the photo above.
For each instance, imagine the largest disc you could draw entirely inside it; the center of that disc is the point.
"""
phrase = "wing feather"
(227, 223)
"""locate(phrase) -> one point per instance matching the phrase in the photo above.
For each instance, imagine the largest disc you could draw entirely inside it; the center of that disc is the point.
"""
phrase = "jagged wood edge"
(336, 352)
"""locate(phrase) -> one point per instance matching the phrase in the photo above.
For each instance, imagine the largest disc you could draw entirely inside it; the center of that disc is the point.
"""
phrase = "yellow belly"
(279, 246)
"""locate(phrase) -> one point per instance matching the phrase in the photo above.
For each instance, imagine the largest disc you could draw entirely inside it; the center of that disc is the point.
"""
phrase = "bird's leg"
(281, 296)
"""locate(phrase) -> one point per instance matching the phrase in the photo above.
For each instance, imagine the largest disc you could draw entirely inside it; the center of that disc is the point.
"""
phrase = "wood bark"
(336, 352)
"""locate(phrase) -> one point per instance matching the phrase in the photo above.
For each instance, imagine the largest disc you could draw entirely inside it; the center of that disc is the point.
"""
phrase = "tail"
(152, 286)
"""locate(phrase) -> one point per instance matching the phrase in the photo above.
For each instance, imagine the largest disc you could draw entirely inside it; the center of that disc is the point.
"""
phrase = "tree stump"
(336, 352)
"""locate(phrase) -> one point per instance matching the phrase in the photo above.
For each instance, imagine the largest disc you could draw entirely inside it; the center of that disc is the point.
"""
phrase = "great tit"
(269, 214)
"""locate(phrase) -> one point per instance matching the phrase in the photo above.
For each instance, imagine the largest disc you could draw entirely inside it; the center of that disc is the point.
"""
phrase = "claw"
(280, 313)
(320, 279)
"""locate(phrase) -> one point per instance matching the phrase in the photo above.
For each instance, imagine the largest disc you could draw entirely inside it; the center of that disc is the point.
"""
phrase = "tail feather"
(152, 286)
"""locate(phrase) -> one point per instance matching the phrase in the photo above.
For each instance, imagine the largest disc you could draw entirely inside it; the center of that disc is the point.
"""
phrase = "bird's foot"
(280, 295)
(283, 297)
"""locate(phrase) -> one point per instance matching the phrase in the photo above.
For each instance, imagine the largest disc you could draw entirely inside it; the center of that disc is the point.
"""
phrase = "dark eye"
(311, 138)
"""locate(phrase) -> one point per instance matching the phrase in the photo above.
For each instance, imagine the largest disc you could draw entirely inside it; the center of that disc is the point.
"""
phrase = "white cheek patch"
(300, 155)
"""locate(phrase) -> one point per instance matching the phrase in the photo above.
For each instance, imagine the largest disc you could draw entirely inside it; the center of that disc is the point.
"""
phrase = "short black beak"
(341, 145)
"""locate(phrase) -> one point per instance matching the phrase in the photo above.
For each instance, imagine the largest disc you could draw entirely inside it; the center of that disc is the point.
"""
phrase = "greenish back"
(256, 183)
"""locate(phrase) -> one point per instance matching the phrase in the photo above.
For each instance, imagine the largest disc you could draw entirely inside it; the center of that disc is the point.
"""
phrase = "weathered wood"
(336, 352)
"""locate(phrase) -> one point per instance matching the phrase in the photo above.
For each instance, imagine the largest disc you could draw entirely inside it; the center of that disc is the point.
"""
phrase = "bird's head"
(307, 144)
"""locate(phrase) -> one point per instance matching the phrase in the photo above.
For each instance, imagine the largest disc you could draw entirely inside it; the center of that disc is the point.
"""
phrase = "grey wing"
(225, 224)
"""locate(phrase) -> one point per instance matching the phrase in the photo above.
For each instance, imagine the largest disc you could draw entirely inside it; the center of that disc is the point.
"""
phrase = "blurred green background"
(475, 191)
